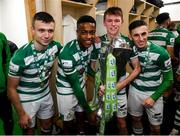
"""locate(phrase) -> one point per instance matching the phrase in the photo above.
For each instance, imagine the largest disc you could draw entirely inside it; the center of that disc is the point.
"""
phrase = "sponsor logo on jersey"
(13, 67)
(67, 63)
(167, 63)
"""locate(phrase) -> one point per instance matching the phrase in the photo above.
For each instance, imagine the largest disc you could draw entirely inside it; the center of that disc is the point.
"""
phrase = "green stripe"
(153, 78)
(30, 84)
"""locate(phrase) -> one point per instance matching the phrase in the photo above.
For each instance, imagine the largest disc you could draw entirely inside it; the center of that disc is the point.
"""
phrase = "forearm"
(14, 97)
(171, 53)
(131, 76)
(166, 83)
(78, 92)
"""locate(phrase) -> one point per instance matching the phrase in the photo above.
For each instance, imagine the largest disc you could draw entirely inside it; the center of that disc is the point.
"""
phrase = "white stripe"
(69, 73)
(160, 34)
(178, 112)
(172, 46)
(148, 83)
(53, 50)
(134, 57)
(33, 80)
(34, 70)
(66, 84)
(27, 97)
(153, 56)
(30, 71)
(64, 90)
(28, 60)
(61, 72)
(177, 117)
(150, 74)
(176, 123)
(9, 74)
(161, 43)
(27, 89)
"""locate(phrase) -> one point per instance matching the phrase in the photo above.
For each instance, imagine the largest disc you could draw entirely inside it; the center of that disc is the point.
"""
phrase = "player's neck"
(39, 46)
(112, 36)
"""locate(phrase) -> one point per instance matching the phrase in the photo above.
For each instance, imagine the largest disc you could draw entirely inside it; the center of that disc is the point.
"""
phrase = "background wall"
(173, 9)
(13, 21)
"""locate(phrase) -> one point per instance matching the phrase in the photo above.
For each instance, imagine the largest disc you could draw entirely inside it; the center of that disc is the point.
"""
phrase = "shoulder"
(158, 49)
(22, 52)
(56, 43)
(3, 40)
(2, 35)
(69, 49)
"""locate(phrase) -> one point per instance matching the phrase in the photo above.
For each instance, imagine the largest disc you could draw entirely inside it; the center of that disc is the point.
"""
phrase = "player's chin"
(87, 44)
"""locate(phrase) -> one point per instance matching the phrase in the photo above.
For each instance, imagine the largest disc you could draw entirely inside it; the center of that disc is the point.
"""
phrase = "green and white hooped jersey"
(23, 65)
(72, 59)
(162, 37)
(154, 61)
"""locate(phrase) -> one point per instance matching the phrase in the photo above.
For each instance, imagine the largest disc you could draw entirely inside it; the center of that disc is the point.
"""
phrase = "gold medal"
(42, 84)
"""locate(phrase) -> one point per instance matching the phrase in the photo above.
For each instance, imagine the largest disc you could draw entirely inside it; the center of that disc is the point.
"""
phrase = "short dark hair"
(161, 18)
(42, 16)
(85, 19)
(113, 11)
(136, 23)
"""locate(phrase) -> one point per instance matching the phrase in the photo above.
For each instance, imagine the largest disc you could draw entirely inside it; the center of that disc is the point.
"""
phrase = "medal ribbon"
(146, 57)
(41, 69)
(81, 56)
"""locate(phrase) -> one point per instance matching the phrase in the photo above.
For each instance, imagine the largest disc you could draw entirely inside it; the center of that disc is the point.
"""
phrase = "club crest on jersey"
(67, 63)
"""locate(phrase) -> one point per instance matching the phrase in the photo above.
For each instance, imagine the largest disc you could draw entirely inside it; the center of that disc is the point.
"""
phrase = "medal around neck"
(41, 69)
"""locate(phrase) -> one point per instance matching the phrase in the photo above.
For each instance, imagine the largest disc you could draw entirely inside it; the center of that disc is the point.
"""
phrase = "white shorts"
(67, 106)
(122, 101)
(135, 107)
(42, 108)
(122, 106)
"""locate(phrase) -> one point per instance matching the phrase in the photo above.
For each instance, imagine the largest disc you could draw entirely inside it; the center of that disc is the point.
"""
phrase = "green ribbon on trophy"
(110, 97)
(106, 107)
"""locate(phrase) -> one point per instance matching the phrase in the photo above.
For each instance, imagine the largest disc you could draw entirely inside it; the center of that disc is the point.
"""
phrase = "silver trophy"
(120, 42)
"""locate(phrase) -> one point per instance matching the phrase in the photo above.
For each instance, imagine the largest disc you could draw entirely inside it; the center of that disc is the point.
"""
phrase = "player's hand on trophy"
(101, 90)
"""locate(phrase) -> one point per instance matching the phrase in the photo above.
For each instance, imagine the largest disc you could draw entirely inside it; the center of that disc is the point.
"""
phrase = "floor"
(111, 127)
